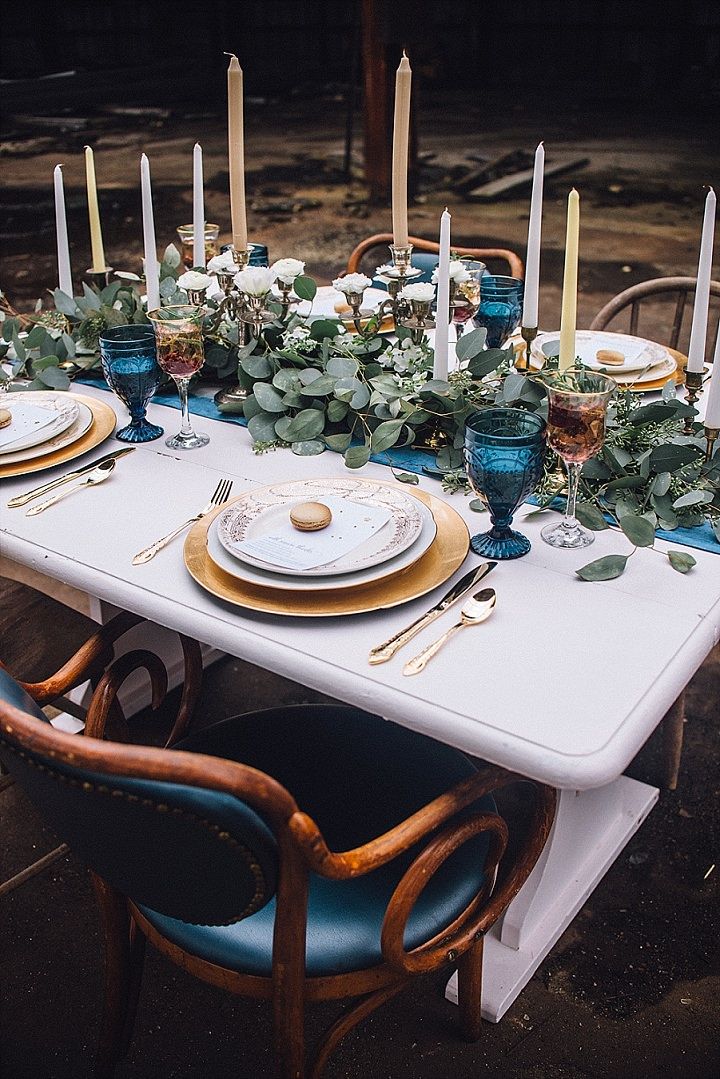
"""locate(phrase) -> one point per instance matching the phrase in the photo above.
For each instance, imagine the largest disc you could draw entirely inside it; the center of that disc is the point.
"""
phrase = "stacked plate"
(48, 427)
(383, 545)
(329, 303)
(644, 365)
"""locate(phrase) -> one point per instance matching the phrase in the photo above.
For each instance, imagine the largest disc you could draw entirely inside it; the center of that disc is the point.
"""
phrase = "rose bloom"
(194, 280)
(423, 291)
(255, 280)
(224, 263)
(287, 270)
(458, 272)
(352, 282)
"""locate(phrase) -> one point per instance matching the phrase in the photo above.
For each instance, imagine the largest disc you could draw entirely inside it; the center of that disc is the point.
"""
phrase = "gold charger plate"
(644, 387)
(446, 553)
(103, 425)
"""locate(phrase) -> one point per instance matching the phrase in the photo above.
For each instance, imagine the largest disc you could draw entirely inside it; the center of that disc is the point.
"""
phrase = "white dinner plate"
(638, 352)
(81, 424)
(256, 513)
(253, 575)
(65, 411)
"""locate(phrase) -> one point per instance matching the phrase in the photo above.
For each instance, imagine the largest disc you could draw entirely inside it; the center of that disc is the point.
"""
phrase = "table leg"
(590, 829)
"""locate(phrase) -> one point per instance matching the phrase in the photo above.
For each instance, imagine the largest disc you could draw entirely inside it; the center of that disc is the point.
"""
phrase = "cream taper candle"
(198, 208)
(63, 248)
(152, 276)
(442, 315)
(96, 241)
(570, 279)
(236, 155)
(698, 332)
(532, 259)
(712, 407)
(401, 137)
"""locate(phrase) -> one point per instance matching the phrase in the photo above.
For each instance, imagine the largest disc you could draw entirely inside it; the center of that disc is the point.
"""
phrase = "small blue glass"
(504, 451)
(258, 254)
(129, 362)
(500, 308)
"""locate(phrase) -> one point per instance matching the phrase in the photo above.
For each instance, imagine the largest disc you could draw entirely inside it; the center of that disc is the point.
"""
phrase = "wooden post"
(375, 104)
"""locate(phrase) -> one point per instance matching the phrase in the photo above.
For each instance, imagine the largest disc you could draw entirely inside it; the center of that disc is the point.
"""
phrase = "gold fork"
(220, 495)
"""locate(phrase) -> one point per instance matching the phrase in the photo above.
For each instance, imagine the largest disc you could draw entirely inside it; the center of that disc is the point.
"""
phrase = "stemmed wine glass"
(504, 451)
(129, 363)
(467, 295)
(178, 332)
(577, 405)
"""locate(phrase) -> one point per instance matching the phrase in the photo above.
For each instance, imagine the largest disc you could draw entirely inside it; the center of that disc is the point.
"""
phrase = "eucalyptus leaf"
(477, 505)
(268, 398)
(386, 435)
(262, 427)
(92, 299)
(589, 515)
(310, 374)
(172, 256)
(257, 366)
(669, 458)
(661, 483)
(622, 483)
(36, 337)
(637, 529)
(681, 561)
(342, 367)
(308, 424)
(54, 378)
(603, 569)
(304, 287)
(66, 304)
(693, 498)
(337, 410)
(324, 327)
(320, 387)
(286, 379)
(357, 456)
(338, 443)
(513, 386)
(471, 344)
(407, 477)
(308, 448)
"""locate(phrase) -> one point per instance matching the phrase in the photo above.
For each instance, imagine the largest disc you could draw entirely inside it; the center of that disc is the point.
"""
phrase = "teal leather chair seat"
(383, 774)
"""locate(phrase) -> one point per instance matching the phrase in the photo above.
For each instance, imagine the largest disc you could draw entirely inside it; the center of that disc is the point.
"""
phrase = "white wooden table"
(564, 683)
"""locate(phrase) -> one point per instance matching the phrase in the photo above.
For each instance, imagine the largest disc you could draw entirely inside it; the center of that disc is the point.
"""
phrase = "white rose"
(224, 263)
(255, 280)
(457, 271)
(191, 279)
(286, 270)
(422, 291)
(352, 282)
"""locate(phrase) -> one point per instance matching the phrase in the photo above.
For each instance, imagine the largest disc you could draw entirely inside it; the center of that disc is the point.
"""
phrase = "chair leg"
(350, 1019)
(672, 730)
(470, 991)
(121, 979)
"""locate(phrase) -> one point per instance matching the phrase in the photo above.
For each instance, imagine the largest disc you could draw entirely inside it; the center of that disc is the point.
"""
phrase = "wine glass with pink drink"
(178, 334)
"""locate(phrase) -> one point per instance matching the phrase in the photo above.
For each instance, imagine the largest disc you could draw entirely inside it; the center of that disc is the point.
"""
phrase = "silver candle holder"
(230, 309)
(418, 321)
(396, 276)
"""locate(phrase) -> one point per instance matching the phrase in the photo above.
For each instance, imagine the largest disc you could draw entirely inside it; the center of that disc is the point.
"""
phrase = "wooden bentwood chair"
(427, 262)
(648, 295)
(294, 854)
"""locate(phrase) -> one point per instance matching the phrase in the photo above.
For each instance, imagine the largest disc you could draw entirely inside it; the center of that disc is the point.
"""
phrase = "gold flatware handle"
(149, 552)
(37, 492)
(55, 498)
(420, 661)
(386, 651)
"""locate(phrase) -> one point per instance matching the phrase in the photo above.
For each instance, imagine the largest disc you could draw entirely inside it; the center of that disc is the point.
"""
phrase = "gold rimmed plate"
(103, 425)
(443, 557)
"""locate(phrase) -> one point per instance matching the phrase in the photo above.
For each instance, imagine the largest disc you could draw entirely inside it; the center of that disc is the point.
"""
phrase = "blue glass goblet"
(500, 308)
(129, 362)
(504, 450)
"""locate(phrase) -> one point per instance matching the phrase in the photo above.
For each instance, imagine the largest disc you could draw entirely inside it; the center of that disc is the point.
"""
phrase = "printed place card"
(26, 419)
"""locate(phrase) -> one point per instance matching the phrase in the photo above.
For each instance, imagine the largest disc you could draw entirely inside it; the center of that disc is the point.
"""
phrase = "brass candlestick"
(396, 277)
(693, 389)
(231, 398)
(418, 321)
(98, 279)
(711, 434)
(529, 333)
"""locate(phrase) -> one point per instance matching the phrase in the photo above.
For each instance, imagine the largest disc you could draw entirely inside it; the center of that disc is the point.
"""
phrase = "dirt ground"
(631, 988)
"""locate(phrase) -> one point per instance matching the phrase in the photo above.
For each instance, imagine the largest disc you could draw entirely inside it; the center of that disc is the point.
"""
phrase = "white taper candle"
(63, 248)
(532, 259)
(152, 277)
(198, 208)
(442, 316)
(698, 332)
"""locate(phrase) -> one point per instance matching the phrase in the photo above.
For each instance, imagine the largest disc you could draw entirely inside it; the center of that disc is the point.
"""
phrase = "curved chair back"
(427, 262)
(652, 296)
(172, 830)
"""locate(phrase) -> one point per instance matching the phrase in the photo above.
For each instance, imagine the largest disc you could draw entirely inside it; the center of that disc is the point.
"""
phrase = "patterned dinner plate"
(73, 432)
(60, 406)
(256, 513)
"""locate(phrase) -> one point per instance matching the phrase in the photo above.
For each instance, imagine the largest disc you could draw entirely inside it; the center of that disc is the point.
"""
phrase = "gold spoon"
(474, 611)
(91, 480)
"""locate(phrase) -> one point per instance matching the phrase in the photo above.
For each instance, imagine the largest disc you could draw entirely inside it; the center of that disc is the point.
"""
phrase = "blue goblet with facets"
(500, 307)
(504, 451)
(129, 361)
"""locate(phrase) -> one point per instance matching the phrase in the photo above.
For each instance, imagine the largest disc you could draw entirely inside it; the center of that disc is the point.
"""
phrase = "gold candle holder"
(98, 279)
(529, 333)
(231, 398)
(693, 389)
(418, 321)
(711, 434)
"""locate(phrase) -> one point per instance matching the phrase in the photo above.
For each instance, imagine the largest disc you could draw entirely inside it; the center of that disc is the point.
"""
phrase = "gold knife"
(21, 500)
(387, 650)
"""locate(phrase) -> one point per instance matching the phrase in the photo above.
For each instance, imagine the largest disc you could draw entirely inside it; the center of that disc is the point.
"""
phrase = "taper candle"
(712, 406)
(442, 315)
(152, 276)
(532, 259)
(236, 155)
(570, 279)
(96, 241)
(698, 332)
(198, 208)
(63, 248)
(401, 136)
